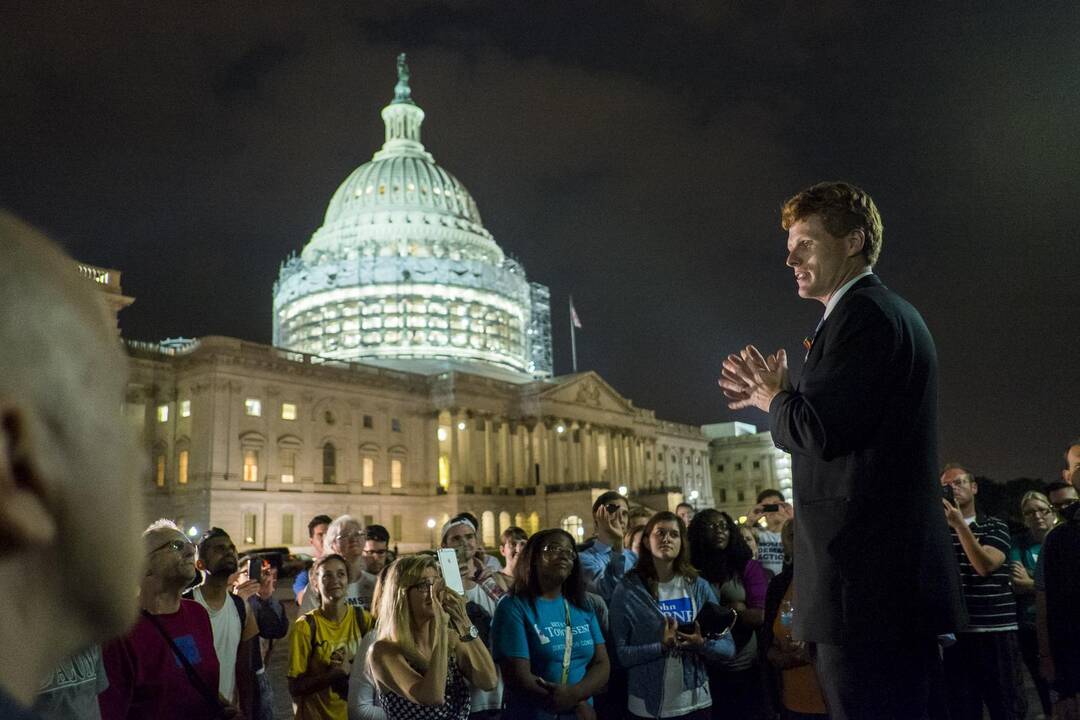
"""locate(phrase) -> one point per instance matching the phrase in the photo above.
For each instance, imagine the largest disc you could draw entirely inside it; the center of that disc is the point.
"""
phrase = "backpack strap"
(241, 610)
(311, 624)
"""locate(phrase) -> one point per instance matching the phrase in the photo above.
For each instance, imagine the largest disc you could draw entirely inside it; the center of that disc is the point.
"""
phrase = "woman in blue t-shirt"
(546, 637)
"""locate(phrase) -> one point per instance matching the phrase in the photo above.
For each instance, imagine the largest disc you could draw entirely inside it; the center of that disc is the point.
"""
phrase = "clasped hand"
(750, 379)
(673, 640)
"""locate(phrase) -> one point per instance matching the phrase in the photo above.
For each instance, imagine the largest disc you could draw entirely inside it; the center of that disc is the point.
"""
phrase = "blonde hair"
(392, 609)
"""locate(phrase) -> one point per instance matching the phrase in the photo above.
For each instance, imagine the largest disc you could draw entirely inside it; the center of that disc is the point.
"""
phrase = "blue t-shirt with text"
(535, 631)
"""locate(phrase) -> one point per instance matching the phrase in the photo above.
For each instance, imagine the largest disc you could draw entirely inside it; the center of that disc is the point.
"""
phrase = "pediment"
(588, 390)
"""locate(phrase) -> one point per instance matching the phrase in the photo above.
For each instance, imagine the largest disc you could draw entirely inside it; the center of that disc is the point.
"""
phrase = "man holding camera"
(776, 511)
(604, 559)
(983, 666)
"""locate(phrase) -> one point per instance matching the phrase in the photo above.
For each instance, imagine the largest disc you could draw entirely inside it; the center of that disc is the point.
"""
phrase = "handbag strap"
(199, 684)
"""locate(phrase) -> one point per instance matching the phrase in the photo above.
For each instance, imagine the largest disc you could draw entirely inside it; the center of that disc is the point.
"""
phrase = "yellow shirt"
(326, 704)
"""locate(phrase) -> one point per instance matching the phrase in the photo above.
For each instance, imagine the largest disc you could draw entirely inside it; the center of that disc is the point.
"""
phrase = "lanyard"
(568, 645)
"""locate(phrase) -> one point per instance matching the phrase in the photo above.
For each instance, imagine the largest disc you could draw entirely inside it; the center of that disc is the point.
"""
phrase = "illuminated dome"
(402, 269)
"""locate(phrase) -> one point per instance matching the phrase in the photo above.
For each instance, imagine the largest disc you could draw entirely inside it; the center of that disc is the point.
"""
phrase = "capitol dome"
(403, 270)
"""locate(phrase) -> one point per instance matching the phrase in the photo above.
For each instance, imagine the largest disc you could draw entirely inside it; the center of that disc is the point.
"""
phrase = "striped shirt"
(990, 603)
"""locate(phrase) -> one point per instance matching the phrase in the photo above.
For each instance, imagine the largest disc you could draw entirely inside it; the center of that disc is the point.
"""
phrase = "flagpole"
(573, 339)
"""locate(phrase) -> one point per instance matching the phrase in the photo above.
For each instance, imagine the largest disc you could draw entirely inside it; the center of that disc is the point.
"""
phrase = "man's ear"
(856, 241)
(27, 516)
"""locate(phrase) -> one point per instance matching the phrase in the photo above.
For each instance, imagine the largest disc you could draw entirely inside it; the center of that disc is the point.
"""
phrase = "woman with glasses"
(718, 551)
(324, 643)
(1039, 518)
(427, 652)
(346, 537)
(546, 636)
(654, 627)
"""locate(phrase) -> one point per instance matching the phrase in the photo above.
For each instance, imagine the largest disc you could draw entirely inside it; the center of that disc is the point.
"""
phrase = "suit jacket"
(873, 556)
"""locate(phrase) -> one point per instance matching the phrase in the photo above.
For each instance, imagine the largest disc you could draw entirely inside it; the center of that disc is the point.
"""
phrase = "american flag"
(573, 315)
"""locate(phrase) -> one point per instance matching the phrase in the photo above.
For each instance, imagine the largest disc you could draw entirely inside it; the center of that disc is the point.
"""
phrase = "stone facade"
(257, 440)
(742, 463)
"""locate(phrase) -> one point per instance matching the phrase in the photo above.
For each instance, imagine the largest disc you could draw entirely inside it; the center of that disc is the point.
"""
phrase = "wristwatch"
(471, 634)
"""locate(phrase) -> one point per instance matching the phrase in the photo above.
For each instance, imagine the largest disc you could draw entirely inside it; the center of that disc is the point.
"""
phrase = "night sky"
(634, 154)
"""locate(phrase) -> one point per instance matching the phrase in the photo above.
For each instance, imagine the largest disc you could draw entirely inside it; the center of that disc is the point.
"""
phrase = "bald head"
(69, 464)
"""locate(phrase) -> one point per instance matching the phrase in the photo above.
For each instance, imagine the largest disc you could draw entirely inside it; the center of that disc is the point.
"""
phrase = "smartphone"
(255, 568)
(947, 493)
(686, 628)
(771, 507)
(448, 563)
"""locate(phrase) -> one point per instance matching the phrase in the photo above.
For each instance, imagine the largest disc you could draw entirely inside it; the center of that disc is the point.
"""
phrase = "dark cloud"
(631, 153)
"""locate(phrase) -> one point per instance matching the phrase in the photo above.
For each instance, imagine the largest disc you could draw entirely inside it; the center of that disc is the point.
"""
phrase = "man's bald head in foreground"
(70, 501)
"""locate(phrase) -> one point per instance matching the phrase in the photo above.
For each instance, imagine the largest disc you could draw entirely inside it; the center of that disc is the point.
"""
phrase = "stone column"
(455, 452)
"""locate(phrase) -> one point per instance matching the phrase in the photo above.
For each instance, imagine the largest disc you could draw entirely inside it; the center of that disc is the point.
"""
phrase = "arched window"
(487, 523)
(329, 464)
(504, 521)
(573, 525)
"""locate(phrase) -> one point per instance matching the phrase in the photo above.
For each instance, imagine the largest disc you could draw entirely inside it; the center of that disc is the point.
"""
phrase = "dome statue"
(403, 273)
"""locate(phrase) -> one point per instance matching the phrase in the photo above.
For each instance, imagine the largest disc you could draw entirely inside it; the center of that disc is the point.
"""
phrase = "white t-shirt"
(486, 597)
(675, 601)
(225, 624)
(770, 550)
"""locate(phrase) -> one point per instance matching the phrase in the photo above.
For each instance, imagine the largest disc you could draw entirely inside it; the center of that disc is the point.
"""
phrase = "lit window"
(395, 425)
(396, 470)
(250, 528)
(251, 465)
(182, 467)
(368, 470)
(288, 411)
(442, 434)
(287, 529)
(444, 472)
(159, 470)
(253, 407)
(185, 408)
(288, 466)
(163, 413)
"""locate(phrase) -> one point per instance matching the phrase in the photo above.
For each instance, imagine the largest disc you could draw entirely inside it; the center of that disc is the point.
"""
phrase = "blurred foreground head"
(70, 502)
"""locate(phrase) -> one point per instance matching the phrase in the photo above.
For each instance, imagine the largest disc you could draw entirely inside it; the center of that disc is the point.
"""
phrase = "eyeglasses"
(1059, 506)
(178, 545)
(958, 482)
(716, 526)
(422, 586)
(351, 537)
(560, 550)
(616, 509)
(1037, 511)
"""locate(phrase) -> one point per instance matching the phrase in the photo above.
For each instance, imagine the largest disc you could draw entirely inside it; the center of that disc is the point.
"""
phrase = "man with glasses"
(983, 666)
(604, 560)
(1061, 496)
(166, 666)
(376, 550)
(70, 475)
(346, 537)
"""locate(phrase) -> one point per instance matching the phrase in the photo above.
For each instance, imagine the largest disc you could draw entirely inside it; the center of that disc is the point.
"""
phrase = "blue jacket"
(603, 569)
(636, 629)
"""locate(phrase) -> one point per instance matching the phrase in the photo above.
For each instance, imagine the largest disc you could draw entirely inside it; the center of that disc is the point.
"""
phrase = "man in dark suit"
(876, 576)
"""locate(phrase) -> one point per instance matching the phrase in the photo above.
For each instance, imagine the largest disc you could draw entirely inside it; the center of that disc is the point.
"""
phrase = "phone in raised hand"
(448, 563)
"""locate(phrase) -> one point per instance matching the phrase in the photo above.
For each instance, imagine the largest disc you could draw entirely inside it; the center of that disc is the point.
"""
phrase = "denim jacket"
(636, 629)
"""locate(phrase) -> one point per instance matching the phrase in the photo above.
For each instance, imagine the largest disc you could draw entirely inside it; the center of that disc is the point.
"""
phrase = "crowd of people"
(684, 614)
(660, 614)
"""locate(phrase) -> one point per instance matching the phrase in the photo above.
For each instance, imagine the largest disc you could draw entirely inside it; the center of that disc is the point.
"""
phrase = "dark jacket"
(875, 555)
